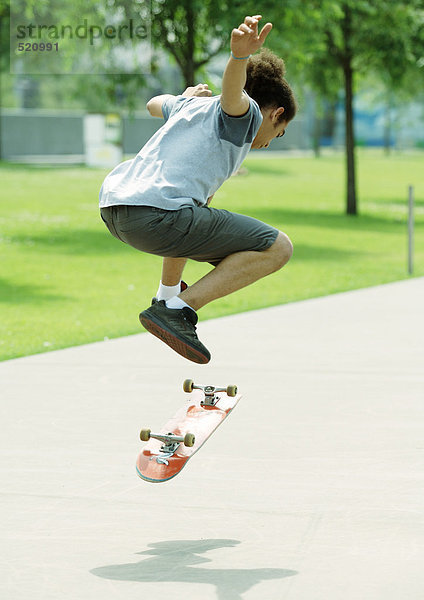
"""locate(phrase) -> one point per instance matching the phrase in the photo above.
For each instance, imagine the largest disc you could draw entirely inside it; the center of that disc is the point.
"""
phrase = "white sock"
(176, 302)
(165, 292)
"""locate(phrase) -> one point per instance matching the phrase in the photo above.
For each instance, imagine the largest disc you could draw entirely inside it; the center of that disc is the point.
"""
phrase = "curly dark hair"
(266, 84)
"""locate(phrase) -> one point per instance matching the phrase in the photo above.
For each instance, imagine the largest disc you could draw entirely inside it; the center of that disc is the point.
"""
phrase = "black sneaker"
(177, 328)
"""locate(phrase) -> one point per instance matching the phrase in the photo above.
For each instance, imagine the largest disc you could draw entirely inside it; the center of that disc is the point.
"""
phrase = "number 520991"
(37, 47)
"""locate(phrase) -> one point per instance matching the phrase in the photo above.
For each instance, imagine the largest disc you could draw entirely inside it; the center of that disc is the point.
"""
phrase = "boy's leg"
(244, 250)
(177, 328)
(237, 271)
(172, 270)
(171, 285)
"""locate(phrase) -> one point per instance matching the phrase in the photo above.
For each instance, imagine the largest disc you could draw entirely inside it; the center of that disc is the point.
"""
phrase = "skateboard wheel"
(232, 390)
(189, 440)
(145, 435)
(188, 385)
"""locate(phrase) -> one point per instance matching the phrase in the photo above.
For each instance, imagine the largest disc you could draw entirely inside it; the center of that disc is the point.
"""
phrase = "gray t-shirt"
(187, 159)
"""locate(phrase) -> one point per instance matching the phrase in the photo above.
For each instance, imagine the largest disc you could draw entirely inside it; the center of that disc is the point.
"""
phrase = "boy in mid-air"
(158, 202)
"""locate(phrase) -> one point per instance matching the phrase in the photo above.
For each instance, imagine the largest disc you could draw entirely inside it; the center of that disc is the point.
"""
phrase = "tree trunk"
(351, 202)
(189, 67)
(350, 143)
(188, 73)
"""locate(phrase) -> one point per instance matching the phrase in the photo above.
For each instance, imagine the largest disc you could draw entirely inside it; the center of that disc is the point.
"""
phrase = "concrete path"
(311, 490)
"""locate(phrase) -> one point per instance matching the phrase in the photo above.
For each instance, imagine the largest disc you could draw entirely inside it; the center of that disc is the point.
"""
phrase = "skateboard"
(169, 450)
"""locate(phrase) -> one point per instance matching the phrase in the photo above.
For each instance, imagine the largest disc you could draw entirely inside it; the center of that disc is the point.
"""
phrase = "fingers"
(250, 26)
(202, 89)
(248, 30)
(252, 20)
(265, 30)
(245, 28)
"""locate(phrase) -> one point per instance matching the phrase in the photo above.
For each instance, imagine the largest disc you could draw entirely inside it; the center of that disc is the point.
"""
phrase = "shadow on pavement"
(173, 562)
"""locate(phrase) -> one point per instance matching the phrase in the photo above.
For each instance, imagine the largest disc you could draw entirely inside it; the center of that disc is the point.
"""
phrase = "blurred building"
(55, 136)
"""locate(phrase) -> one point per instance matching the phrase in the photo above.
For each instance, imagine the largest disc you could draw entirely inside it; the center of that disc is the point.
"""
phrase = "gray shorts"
(201, 233)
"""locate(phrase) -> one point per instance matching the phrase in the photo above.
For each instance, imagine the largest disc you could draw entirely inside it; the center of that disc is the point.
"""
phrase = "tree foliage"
(334, 41)
(193, 31)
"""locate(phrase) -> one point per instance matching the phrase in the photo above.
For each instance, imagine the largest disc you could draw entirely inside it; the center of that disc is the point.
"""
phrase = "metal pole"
(410, 229)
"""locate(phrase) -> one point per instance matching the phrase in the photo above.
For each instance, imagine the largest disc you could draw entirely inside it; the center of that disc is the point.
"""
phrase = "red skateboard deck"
(183, 435)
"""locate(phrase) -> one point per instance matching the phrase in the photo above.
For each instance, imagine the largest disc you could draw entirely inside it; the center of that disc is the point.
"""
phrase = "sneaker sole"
(173, 342)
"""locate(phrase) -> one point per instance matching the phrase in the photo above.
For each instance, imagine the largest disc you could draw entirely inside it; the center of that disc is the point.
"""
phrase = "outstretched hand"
(246, 39)
(201, 89)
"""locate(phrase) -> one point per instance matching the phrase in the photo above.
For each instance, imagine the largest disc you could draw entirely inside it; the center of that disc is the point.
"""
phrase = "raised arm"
(154, 105)
(245, 40)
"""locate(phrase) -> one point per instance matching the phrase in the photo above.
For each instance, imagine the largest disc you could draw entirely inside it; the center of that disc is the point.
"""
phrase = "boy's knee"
(283, 250)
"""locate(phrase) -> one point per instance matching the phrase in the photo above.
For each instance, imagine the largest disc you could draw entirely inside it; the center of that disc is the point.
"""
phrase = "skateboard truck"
(209, 391)
(172, 447)
(171, 443)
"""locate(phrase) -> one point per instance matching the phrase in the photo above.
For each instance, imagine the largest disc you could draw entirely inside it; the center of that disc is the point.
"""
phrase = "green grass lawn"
(66, 281)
